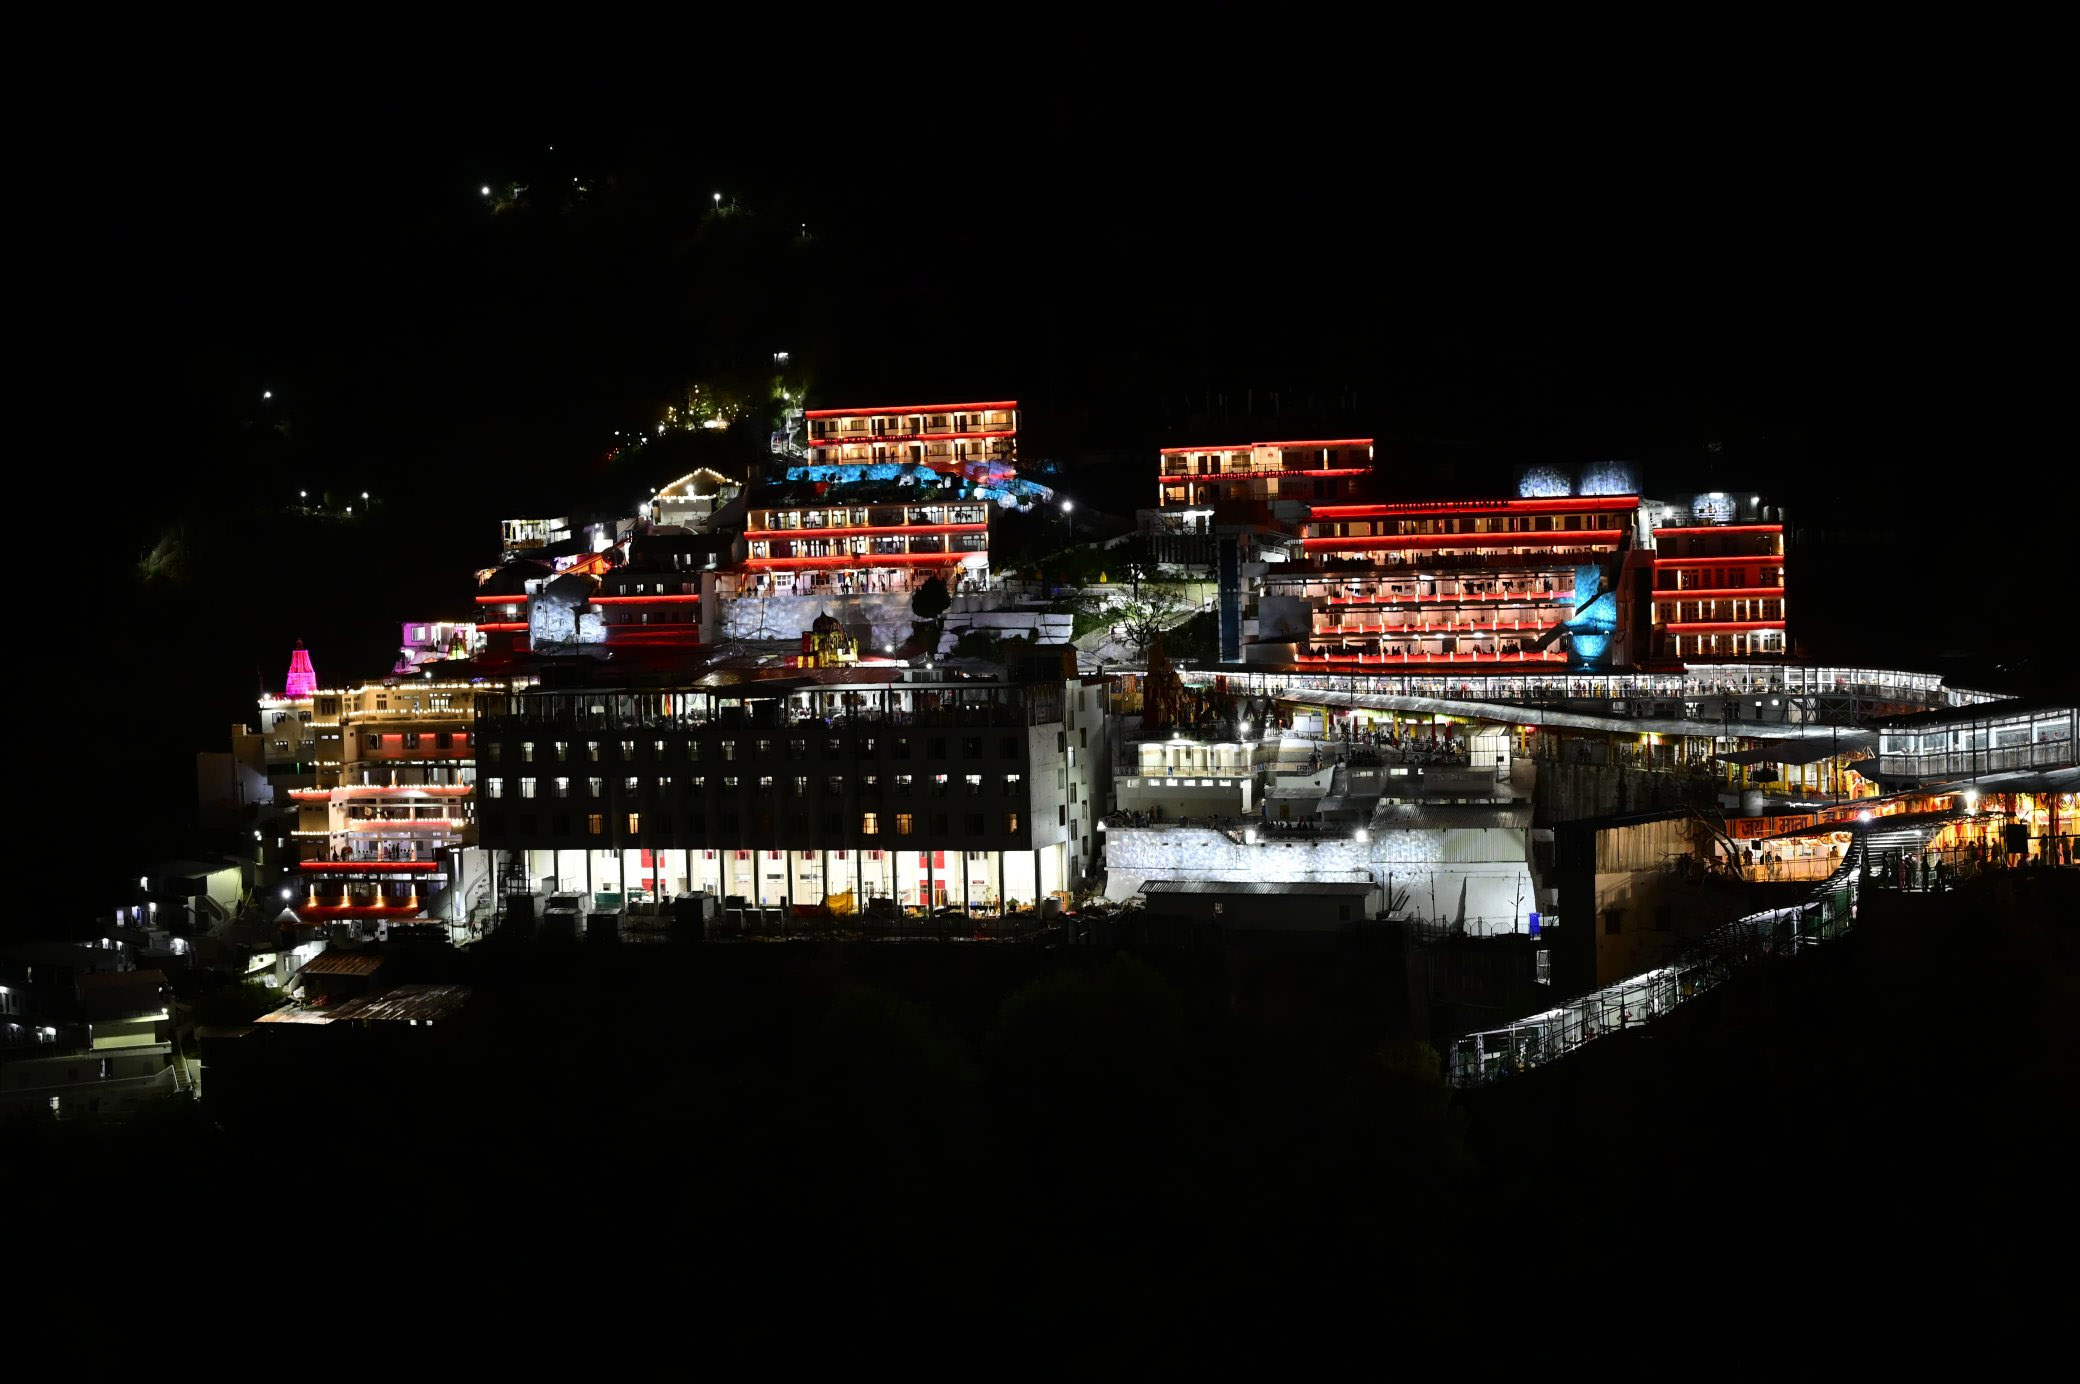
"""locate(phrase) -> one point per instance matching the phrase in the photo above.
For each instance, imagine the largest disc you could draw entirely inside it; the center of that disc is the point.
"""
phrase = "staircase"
(1884, 843)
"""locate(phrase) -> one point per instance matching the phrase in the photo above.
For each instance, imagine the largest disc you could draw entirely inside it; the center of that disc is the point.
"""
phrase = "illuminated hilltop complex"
(1490, 715)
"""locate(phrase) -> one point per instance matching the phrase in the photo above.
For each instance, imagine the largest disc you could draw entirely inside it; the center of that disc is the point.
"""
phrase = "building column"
(1001, 895)
(929, 901)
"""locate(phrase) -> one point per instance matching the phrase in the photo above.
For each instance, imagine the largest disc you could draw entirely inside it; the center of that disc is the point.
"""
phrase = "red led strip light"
(1467, 540)
(908, 408)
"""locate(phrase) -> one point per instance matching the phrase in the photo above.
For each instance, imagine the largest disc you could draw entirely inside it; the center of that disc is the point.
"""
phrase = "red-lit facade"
(1315, 471)
(1458, 584)
(943, 436)
(860, 548)
(1717, 594)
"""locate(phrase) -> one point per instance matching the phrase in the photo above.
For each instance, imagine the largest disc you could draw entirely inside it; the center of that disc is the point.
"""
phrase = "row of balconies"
(903, 425)
(1345, 626)
(764, 548)
(864, 517)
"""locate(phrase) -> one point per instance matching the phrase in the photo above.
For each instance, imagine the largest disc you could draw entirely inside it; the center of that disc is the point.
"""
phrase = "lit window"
(596, 787)
(495, 788)
(870, 824)
(635, 823)
(527, 752)
(938, 785)
(765, 783)
(657, 748)
(563, 750)
(729, 749)
(730, 781)
(628, 786)
(1011, 822)
(628, 749)
(595, 824)
(905, 823)
(563, 788)
(974, 782)
(592, 750)
(902, 783)
(1012, 783)
(527, 788)
(836, 785)
(801, 785)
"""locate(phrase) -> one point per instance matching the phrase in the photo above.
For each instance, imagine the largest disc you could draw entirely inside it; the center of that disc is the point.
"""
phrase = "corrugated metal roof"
(418, 1003)
(334, 963)
(1252, 886)
(1800, 751)
(1984, 713)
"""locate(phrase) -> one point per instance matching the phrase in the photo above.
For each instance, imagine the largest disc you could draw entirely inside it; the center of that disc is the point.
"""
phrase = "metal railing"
(1488, 1055)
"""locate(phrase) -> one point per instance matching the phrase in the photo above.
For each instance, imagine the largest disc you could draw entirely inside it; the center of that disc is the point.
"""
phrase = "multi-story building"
(643, 592)
(1717, 594)
(421, 642)
(1259, 474)
(386, 822)
(800, 787)
(941, 436)
(693, 501)
(1494, 584)
(532, 537)
(858, 549)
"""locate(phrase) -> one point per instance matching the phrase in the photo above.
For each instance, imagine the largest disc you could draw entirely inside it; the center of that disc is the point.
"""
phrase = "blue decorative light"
(1595, 617)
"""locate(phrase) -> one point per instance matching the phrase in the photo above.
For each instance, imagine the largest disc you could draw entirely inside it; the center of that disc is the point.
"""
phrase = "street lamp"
(718, 201)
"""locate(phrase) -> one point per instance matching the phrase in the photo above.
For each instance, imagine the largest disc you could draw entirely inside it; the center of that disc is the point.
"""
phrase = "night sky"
(1817, 264)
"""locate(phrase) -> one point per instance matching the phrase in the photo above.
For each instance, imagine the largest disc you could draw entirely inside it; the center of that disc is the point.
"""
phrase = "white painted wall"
(1471, 872)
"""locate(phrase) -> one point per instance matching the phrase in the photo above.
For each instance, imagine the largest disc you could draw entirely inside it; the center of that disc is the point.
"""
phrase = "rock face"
(558, 614)
(876, 620)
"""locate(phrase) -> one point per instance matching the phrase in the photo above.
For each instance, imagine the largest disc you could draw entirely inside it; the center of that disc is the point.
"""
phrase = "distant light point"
(486, 191)
(267, 393)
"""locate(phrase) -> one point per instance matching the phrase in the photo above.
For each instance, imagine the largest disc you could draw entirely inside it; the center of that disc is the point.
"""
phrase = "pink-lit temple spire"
(302, 680)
